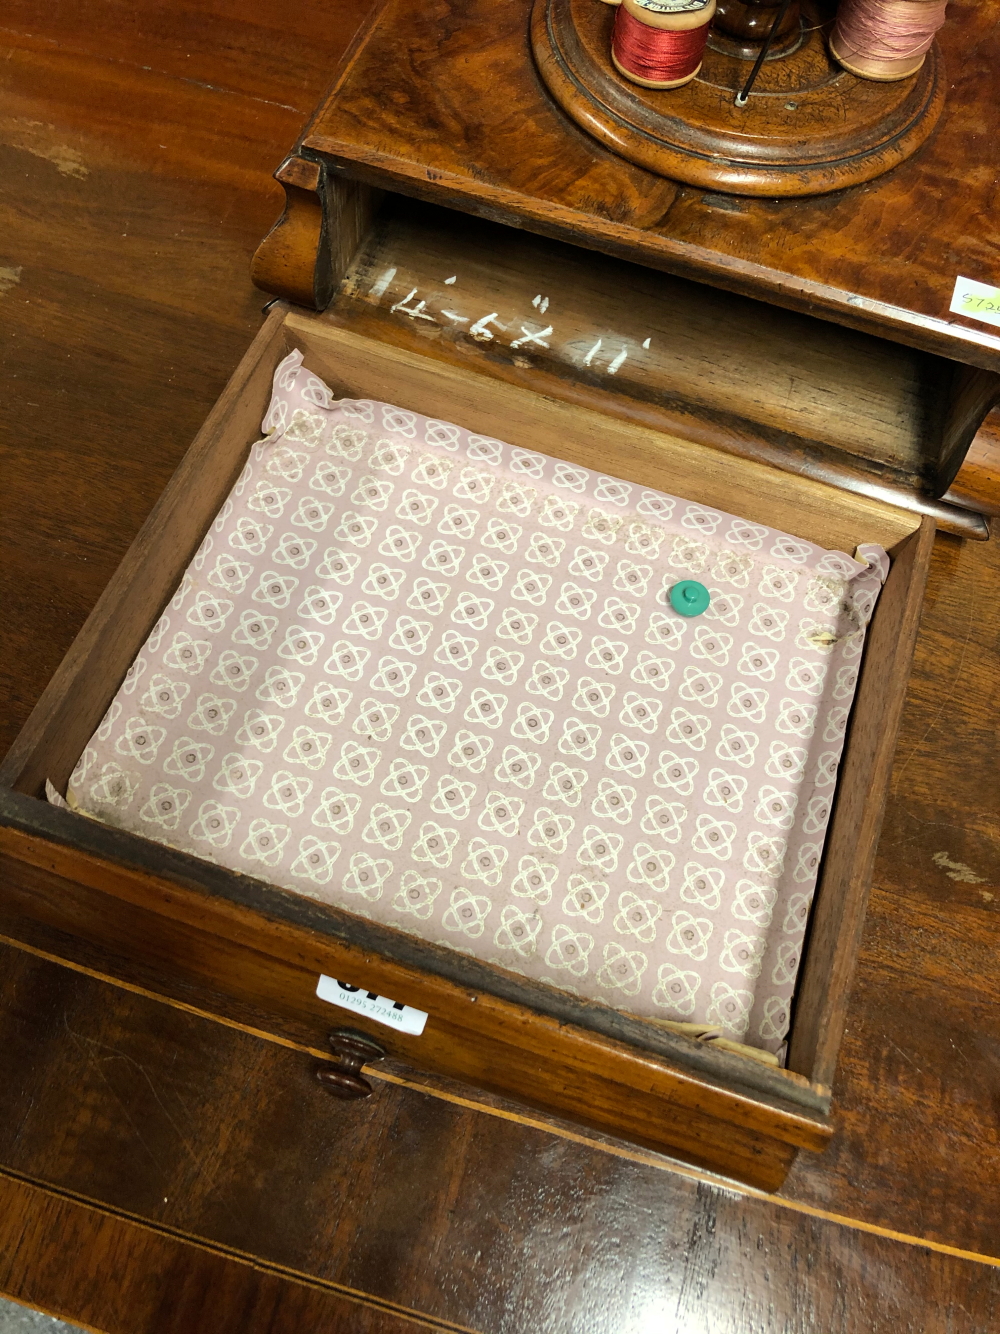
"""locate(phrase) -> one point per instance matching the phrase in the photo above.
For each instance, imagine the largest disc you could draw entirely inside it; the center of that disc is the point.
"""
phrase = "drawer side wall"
(838, 911)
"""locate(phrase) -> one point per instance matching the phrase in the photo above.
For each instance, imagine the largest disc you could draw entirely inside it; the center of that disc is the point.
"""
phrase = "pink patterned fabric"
(437, 681)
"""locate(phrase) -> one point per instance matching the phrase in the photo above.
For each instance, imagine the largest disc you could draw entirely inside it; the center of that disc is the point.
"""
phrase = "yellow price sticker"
(978, 301)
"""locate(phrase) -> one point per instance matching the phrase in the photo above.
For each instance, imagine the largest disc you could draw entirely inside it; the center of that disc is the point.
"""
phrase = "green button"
(689, 598)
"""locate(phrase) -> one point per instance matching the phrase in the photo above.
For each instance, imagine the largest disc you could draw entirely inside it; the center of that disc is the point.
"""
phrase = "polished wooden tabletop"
(160, 1172)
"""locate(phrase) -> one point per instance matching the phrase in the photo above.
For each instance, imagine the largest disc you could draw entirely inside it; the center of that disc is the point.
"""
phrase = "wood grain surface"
(432, 103)
(126, 304)
(408, 1203)
(715, 1109)
(809, 126)
(799, 394)
(201, 1288)
(978, 481)
(137, 143)
(837, 916)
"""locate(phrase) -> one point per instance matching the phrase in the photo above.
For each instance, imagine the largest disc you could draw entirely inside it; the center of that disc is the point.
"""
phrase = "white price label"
(979, 301)
(394, 1014)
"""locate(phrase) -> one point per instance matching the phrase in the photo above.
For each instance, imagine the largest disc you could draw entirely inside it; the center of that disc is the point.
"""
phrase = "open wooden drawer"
(237, 949)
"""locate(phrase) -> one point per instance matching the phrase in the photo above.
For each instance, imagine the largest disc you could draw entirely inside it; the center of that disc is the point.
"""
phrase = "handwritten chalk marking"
(532, 337)
(453, 279)
(479, 330)
(593, 352)
(454, 316)
(647, 342)
(540, 303)
(618, 362)
(379, 289)
(416, 312)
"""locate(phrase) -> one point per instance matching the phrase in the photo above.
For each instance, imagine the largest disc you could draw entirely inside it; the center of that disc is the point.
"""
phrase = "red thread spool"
(660, 43)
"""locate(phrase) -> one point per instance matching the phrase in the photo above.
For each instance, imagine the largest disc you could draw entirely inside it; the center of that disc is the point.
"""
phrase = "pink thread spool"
(660, 43)
(885, 40)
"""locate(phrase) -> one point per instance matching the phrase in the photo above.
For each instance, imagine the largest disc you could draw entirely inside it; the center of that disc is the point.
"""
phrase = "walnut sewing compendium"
(719, 250)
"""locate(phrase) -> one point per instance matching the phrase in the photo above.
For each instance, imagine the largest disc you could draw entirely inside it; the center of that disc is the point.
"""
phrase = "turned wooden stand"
(809, 126)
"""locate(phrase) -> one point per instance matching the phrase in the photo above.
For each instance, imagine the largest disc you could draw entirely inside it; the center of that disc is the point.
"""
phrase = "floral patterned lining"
(437, 680)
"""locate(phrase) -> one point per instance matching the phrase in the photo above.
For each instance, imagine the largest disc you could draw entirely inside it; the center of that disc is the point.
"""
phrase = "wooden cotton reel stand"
(809, 127)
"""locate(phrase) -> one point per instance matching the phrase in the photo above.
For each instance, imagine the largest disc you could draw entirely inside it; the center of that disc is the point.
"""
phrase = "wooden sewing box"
(456, 242)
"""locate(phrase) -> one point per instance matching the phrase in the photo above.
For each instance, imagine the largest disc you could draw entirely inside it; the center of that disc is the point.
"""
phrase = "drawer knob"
(352, 1050)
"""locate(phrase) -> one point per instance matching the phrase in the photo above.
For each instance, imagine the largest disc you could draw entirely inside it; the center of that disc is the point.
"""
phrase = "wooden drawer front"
(204, 937)
(239, 963)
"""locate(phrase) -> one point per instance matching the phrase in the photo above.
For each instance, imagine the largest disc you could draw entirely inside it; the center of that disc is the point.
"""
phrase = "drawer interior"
(358, 365)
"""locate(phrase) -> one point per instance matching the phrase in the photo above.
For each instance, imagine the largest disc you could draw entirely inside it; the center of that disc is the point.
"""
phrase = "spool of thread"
(885, 40)
(660, 43)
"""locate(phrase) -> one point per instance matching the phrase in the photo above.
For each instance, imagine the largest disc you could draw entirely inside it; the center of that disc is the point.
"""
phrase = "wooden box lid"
(443, 101)
(445, 104)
